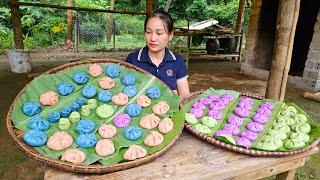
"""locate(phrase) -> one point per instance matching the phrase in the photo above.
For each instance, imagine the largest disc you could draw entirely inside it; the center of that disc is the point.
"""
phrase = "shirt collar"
(143, 55)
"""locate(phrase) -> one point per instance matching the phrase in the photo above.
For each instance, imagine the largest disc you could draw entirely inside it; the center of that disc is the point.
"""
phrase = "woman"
(156, 58)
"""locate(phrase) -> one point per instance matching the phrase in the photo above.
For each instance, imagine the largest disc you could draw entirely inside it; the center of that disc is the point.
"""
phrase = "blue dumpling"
(86, 140)
(35, 138)
(133, 109)
(81, 101)
(153, 92)
(31, 108)
(104, 96)
(65, 112)
(74, 107)
(113, 70)
(54, 117)
(89, 91)
(130, 91)
(129, 79)
(133, 133)
(85, 126)
(65, 89)
(38, 123)
(80, 77)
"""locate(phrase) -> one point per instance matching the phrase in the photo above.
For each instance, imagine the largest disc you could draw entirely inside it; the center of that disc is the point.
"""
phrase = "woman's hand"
(183, 87)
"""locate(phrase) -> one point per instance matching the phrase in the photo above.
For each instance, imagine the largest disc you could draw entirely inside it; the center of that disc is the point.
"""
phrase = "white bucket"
(19, 61)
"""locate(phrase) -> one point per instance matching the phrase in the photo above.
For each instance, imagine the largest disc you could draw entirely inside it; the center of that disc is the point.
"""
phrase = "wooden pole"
(16, 22)
(289, 53)
(110, 23)
(287, 13)
(149, 6)
(69, 21)
(239, 23)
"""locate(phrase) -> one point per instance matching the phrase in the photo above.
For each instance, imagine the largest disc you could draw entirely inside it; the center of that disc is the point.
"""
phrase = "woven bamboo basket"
(234, 148)
(16, 134)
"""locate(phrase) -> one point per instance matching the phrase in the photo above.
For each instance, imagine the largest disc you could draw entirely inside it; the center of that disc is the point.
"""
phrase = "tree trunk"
(240, 15)
(110, 23)
(149, 6)
(286, 24)
(69, 21)
(16, 22)
(168, 5)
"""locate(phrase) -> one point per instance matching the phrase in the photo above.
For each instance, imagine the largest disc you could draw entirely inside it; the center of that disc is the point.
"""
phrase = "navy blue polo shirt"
(171, 69)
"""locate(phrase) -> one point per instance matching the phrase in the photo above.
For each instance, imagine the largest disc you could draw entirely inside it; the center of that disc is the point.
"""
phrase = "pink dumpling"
(196, 112)
(268, 105)
(243, 142)
(198, 105)
(264, 111)
(252, 136)
(255, 127)
(231, 128)
(235, 120)
(241, 112)
(260, 118)
(223, 133)
(122, 120)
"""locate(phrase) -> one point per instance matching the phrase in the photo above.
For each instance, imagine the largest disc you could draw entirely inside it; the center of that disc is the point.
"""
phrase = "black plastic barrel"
(212, 46)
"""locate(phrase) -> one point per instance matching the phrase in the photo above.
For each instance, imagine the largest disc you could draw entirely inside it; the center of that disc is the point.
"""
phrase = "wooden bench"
(192, 158)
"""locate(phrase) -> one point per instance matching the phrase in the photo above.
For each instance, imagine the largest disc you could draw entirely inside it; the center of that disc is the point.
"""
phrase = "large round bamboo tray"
(95, 168)
(234, 148)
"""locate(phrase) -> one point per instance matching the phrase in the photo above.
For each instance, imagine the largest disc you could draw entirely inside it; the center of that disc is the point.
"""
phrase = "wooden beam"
(16, 24)
(79, 8)
(149, 6)
(286, 23)
(69, 21)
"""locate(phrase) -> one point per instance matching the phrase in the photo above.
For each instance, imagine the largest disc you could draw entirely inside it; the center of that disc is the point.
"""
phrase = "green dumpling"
(105, 111)
(288, 111)
(279, 134)
(300, 118)
(294, 144)
(92, 103)
(85, 110)
(64, 124)
(270, 143)
(300, 136)
(303, 128)
(285, 120)
(281, 127)
(202, 128)
(190, 118)
(208, 121)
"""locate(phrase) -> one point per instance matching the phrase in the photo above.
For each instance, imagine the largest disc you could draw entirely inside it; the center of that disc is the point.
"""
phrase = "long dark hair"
(164, 16)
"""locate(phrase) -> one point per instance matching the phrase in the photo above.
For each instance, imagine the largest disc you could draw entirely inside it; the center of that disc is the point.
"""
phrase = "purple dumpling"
(223, 133)
(255, 127)
(122, 120)
(260, 118)
(215, 114)
(231, 128)
(196, 112)
(245, 105)
(246, 99)
(214, 97)
(243, 142)
(227, 97)
(198, 105)
(252, 136)
(264, 111)
(205, 101)
(235, 120)
(241, 112)
(268, 105)
(214, 106)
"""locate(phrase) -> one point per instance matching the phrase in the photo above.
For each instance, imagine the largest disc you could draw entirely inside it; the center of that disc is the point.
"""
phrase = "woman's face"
(156, 35)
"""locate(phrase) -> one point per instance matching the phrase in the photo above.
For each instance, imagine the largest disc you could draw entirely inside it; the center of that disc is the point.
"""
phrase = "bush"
(91, 32)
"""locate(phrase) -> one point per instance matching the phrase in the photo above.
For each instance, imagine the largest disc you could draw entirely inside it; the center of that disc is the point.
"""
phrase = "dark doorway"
(309, 10)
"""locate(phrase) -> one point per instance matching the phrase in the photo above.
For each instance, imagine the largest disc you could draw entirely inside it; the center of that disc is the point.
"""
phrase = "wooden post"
(69, 21)
(16, 24)
(149, 6)
(110, 24)
(286, 24)
(240, 18)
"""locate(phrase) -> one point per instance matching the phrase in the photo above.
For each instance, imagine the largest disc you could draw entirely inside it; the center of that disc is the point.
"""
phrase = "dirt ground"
(203, 74)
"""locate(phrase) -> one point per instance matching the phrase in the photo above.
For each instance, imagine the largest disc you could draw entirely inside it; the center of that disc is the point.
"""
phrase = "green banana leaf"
(45, 83)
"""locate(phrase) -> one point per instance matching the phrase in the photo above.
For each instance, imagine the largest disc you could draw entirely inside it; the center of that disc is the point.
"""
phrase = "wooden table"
(192, 158)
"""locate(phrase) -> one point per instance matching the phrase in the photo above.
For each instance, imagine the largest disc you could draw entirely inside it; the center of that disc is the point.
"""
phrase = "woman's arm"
(183, 87)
